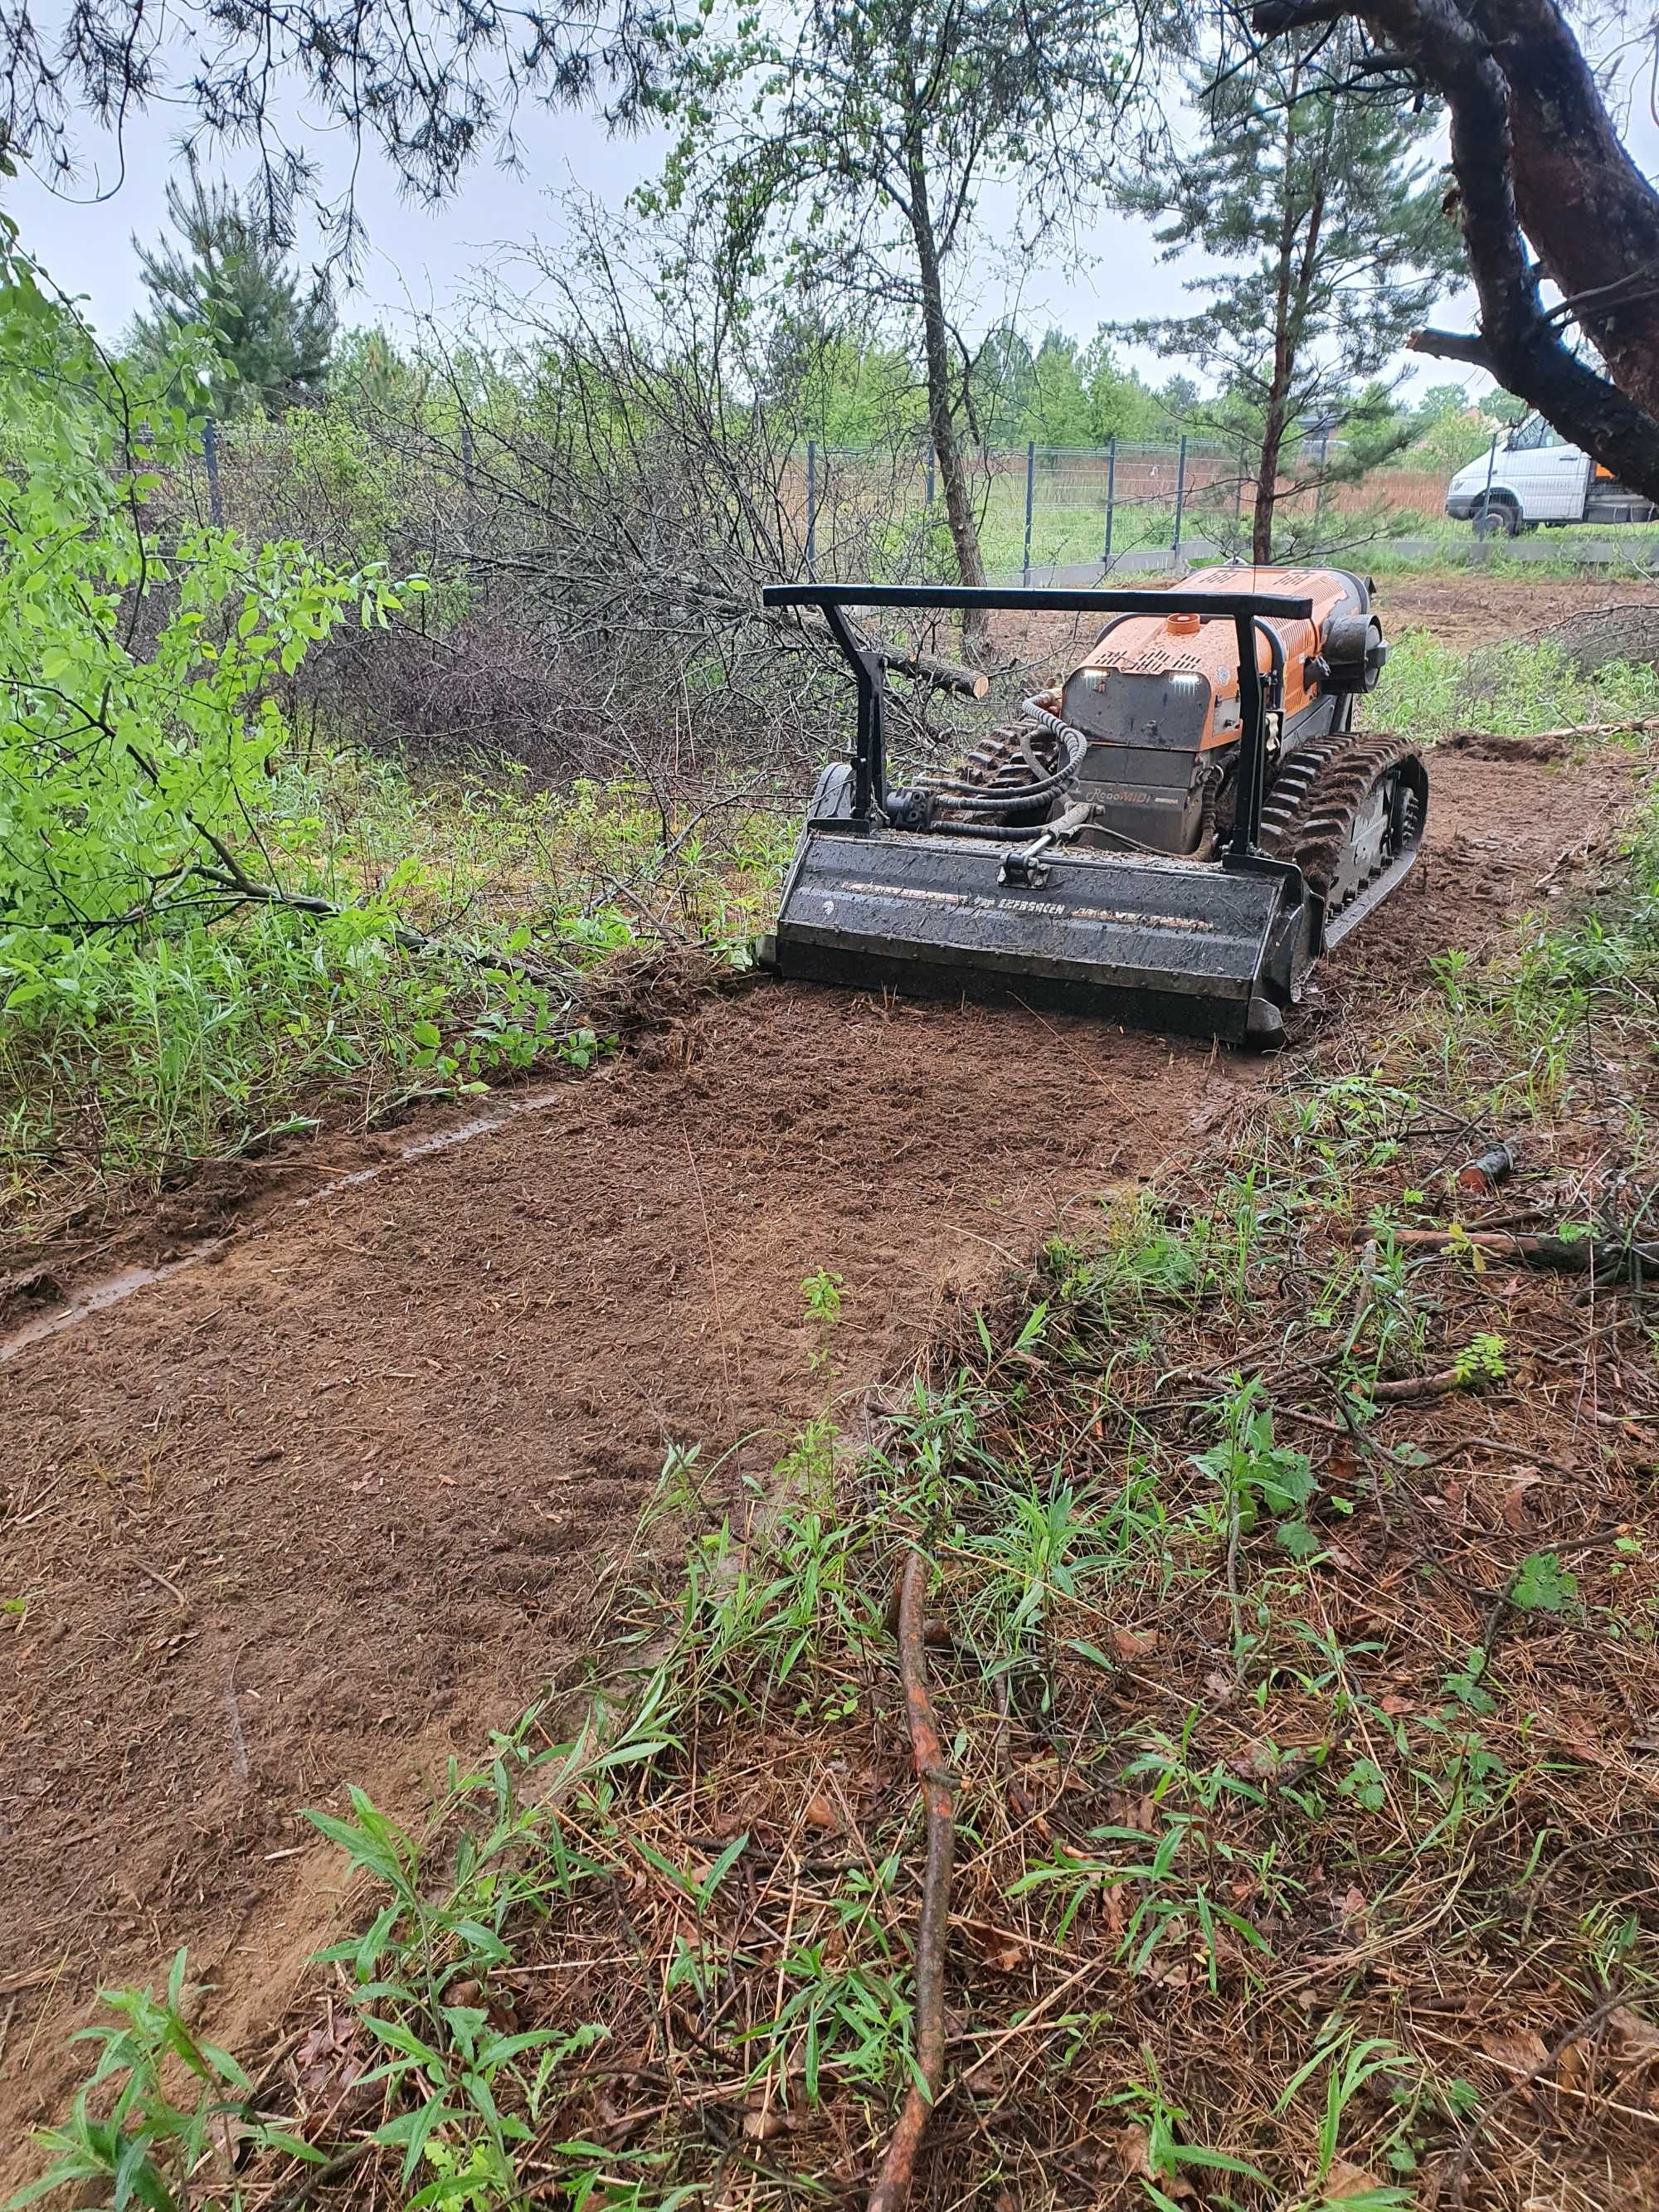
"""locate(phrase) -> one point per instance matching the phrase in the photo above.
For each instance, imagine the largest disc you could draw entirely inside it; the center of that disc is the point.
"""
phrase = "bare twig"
(1606, 1261)
(892, 2183)
(1481, 2120)
(944, 675)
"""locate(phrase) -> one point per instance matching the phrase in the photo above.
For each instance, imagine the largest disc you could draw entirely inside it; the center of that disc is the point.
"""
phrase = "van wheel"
(1500, 517)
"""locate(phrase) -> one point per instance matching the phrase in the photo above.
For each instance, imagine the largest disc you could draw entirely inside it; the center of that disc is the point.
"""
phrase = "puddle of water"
(112, 1289)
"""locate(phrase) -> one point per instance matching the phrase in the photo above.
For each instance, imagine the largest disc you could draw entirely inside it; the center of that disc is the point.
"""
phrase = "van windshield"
(1532, 435)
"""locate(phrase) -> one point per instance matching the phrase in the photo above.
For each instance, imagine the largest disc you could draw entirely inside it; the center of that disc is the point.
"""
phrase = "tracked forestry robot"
(1170, 836)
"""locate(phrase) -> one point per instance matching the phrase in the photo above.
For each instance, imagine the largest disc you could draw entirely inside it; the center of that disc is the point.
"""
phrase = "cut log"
(942, 675)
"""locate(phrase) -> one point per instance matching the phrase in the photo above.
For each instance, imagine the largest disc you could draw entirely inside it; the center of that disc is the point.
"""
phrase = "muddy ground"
(337, 1498)
(1472, 610)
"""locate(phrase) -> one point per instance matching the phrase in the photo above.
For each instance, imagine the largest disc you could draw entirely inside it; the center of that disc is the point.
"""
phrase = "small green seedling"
(1544, 1585)
(1481, 1360)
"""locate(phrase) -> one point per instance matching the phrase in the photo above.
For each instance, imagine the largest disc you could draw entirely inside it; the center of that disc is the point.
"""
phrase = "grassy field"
(484, 906)
(1068, 525)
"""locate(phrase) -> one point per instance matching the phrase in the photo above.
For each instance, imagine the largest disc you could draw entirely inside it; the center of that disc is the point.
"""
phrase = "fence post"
(1031, 486)
(813, 509)
(1181, 495)
(210, 455)
(930, 474)
(1111, 495)
(1485, 517)
(1324, 455)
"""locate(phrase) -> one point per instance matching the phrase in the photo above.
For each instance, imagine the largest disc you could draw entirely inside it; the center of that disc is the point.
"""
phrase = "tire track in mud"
(339, 1499)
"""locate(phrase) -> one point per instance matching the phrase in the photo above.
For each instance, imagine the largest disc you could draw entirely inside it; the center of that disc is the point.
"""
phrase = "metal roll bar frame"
(1247, 611)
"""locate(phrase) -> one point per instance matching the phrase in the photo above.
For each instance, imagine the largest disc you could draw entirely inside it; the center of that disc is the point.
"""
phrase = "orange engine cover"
(1205, 655)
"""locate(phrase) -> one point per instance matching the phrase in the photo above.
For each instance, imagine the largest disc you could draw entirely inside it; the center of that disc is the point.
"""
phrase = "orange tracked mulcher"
(1171, 836)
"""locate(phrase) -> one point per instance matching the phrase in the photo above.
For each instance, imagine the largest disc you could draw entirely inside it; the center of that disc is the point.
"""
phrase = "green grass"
(201, 1039)
(1068, 527)
(1514, 690)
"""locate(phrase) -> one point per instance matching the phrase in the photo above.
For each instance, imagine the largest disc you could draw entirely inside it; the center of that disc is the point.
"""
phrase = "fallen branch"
(942, 675)
(232, 881)
(1636, 725)
(243, 889)
(1487, 1168)
(1416, 1386)
(1571, 1256)
(892, 2183)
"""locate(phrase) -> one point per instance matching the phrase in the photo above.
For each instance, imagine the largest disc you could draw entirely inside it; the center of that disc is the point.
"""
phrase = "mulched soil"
(338, 1497)
(1467, 612)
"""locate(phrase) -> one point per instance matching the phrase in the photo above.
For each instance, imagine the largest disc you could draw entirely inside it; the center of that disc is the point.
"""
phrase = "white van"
(1537, 477)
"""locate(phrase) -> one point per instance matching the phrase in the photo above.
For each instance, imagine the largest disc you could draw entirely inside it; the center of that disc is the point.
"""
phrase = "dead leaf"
(1572, 2067)
(1134, 2151)
(1024, 1809)
(1516, 1485)
(1003, 1954)
(766, 2127)
(1639, 2037)
(1519, 2051)
(1134, 2157)
(1346, 2179)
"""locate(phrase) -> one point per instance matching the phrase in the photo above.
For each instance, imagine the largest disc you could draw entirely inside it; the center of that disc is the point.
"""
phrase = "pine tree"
(1057, 411)
(999, 387)
(1328, 205)
(223, 272)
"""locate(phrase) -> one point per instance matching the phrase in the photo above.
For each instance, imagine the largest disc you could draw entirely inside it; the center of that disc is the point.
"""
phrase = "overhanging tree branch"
(1537, 159)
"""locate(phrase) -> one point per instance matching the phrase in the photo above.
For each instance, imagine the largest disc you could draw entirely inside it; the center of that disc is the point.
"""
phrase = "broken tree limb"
(1528, 746)
(1416, 1386)
(892, 2183)
(1607, 1261)
(942, 675)
(230, 880)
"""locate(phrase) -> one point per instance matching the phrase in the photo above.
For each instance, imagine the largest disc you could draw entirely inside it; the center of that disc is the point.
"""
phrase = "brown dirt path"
(318, 1510)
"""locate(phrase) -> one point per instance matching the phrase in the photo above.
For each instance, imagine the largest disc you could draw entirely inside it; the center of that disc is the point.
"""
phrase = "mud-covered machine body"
(1169, 837)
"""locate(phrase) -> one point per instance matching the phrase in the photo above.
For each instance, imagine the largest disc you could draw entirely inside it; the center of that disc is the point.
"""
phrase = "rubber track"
(1311, 810)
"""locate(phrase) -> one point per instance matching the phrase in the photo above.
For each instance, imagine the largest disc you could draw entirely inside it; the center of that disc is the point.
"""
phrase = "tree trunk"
(1535, 152)
(941, 409)
(1279, 384)
(1588, 211)
(1267, 490)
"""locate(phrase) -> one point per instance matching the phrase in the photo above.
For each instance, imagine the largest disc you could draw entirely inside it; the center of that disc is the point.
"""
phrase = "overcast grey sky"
(422, 261)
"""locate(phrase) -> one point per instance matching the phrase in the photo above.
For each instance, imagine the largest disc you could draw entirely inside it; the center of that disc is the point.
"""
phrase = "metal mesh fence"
(1046, 510)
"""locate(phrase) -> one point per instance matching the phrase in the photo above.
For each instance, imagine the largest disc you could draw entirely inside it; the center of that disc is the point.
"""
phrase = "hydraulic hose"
(976, 798)
(1061, 730)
